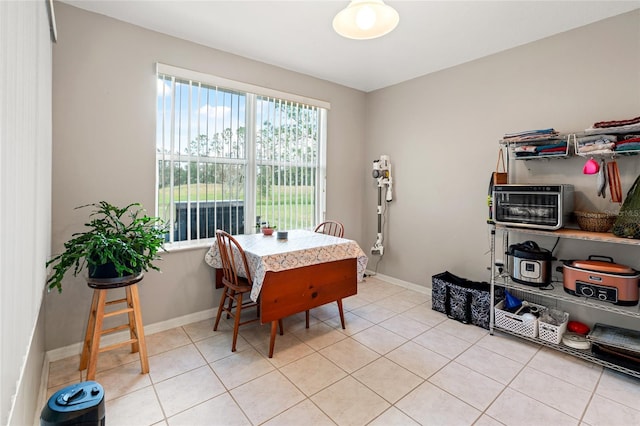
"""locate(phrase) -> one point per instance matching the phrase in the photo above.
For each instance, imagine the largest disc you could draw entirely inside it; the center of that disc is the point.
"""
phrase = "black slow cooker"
(530, 264)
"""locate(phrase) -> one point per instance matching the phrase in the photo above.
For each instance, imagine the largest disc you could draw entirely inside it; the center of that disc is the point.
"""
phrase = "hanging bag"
(627, 224)
(500, 177)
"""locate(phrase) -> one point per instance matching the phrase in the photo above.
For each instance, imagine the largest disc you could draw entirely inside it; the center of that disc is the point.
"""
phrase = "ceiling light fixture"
(366, 19)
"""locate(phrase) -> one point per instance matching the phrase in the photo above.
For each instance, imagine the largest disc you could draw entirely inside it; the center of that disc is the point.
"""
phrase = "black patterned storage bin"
(463, 300)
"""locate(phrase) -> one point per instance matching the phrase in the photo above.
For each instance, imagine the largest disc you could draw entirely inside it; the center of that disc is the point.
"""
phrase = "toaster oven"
(533, 206)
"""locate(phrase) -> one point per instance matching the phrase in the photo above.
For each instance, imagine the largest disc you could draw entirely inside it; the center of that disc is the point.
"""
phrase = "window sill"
(188, 245)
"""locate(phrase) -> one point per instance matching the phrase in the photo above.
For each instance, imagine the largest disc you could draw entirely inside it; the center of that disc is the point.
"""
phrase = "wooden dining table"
(302, 272)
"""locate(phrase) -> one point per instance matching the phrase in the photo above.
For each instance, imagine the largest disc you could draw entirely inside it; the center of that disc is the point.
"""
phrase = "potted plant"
(266, 229)
(119, 242)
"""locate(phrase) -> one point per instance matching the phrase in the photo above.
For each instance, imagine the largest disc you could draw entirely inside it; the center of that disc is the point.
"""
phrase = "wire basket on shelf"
(516, 323)
(595, 221)
(552, 333)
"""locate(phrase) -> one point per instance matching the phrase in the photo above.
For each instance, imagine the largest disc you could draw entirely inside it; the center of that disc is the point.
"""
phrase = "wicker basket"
(594, 221)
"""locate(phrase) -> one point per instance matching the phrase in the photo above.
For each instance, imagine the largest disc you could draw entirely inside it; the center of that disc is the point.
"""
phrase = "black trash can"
(81, 404)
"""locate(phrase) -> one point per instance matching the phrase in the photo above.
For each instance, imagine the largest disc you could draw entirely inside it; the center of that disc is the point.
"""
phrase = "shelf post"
(492, 244)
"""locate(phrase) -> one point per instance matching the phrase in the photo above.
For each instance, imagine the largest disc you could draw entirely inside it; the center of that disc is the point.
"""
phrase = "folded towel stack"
(597, 144)
(531, 135)
(629, 143)
(531, 143)
(615, 126)
(617, 123)
(540, 150)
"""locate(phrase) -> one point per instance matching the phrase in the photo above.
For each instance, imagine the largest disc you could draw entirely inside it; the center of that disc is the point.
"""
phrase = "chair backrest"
(331, 227)
(233, 258)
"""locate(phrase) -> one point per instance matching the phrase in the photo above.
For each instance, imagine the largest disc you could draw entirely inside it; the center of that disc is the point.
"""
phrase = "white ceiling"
(297, 34)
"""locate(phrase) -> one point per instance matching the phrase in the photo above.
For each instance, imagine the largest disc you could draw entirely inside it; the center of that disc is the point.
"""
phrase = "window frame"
(252, 92)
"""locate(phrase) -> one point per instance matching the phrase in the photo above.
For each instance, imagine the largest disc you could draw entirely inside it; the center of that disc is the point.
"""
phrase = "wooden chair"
(235, 287)
(330, 227)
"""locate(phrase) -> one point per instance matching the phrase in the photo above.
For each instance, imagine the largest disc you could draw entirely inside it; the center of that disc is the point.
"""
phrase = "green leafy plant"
(122, 236)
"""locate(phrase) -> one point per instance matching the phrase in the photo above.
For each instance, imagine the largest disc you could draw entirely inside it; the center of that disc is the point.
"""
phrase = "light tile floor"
(397, 363)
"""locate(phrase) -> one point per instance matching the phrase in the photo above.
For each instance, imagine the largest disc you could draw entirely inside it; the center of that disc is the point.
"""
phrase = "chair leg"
(135, 347)
(341, 312)
(139, 328)
(236, 323)
(95, 340)
(281, 327)
(84, 359)
(232, 294)
(306, 319)
(223, 298)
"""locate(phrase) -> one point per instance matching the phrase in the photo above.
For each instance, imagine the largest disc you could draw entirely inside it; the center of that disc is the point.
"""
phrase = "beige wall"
(104, 148)
(442, 131)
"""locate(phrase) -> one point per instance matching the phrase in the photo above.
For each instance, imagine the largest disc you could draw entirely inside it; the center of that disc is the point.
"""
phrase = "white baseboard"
(42, 394)
(76, 348)
(406, 284)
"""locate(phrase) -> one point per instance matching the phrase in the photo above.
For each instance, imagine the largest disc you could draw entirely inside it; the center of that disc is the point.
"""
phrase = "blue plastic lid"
(77, 397)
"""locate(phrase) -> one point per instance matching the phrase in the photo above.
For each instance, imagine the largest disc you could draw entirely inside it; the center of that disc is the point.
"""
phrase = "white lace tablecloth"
(302, 248)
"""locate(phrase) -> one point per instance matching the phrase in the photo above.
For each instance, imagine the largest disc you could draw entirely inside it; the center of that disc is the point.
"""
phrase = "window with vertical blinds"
(232, 158)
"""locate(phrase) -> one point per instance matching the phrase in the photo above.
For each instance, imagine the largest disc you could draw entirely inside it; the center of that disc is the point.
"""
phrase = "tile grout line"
(593, 394)
(278, 368)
